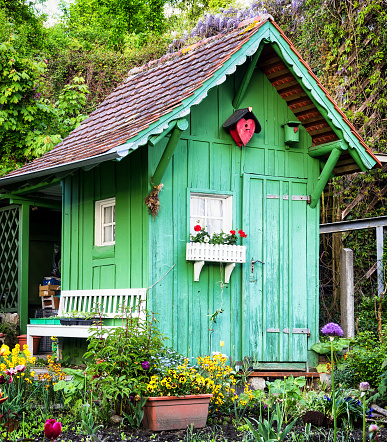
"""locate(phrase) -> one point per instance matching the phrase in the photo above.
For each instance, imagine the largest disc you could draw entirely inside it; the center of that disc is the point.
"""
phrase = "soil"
(214, 433)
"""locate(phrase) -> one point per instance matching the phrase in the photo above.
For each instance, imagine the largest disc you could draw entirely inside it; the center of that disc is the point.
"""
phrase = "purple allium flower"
(332, 329)
(364, 386)
(145, 365)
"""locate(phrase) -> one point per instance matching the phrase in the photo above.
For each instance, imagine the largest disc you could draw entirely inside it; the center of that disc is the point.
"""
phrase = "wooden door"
(275, 289)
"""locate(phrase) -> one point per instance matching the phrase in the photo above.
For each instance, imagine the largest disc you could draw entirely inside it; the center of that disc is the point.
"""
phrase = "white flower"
(206, 239)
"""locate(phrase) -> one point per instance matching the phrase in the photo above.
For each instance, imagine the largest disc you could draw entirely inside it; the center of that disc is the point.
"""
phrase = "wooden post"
(180, 127)
(347, 295)
(246, 79)
(324, 177)
(379, 259)
(24, 250)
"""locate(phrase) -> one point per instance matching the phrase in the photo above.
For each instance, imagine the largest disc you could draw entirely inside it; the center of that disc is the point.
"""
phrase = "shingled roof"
(164, 90)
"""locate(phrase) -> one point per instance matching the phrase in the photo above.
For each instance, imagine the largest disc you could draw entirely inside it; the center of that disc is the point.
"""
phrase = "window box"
(204, 252)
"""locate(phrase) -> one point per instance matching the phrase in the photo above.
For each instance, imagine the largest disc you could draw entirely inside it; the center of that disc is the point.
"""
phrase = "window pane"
(215, 208)
(107, 215)
(214, 225)
(197, 207)
(108, 234)
(114, 232)
(114, 214)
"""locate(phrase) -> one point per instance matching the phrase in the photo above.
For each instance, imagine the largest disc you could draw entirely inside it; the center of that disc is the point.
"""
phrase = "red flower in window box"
(197, 228)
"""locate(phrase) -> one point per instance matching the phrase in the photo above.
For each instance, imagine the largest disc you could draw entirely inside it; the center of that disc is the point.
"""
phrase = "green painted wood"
(86, 266)
(279, 366)
(88, 233)
(180, 127)
(247, 77)
(206, 158)
(39, 202)
(103, 252)
(324, 149)
(75, 240)
(66, 232)
(157, 138)
(324, 177)
(24, 240)
(38, 186)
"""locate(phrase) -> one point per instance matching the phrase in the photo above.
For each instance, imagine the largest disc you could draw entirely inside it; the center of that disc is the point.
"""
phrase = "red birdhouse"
(242, 125)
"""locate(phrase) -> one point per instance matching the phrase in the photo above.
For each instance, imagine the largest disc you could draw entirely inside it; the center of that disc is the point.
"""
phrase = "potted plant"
(218, 247)
(180, 398)
(76, 317)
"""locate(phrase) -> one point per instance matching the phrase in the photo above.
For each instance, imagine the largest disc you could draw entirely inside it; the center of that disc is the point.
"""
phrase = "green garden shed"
(164, 125)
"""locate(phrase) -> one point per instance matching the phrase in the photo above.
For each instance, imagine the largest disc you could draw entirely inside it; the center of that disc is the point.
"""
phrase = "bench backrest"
(109, 302)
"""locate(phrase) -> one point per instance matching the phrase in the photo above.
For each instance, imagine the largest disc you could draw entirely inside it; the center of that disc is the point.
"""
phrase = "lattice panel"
(9, 258)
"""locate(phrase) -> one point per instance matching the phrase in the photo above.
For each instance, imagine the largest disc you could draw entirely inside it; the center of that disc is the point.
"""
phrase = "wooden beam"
(33, 188)
(24, 238)
(156, 138)
(324, 177)
(181, 125)
(246, 78)
(39, 202)
(324, 149)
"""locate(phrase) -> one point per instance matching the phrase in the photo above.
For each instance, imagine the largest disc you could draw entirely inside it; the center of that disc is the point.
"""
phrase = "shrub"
(365, 359)
(121, 362)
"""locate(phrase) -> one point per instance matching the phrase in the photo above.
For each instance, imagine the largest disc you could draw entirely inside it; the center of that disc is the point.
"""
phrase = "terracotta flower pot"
(23, 341)
(176, 413)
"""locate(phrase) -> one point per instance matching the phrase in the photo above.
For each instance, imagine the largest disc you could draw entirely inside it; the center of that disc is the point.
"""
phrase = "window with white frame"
(211, 211)
(105, 222)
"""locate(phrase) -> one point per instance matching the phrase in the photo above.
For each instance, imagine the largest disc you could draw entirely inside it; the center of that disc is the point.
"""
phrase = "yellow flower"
(221, 343)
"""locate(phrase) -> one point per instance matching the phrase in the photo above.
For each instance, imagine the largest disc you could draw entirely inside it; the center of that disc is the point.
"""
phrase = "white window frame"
(227, 209)
(99, 221)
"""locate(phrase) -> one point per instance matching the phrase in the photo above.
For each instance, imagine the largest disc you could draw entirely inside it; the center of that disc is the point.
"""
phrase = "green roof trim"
(324, 105)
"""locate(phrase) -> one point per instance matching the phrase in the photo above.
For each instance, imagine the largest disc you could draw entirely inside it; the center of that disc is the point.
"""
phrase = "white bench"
(109, 302)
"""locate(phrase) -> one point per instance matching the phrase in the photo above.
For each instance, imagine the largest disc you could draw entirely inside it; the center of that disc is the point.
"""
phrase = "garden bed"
(211, 433)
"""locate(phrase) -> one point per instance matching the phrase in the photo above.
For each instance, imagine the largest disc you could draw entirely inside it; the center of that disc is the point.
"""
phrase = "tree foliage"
(110, 22)
(30, 125)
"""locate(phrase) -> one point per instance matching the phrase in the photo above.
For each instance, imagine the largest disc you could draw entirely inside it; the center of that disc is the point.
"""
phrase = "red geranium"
(232, 232)
(242, 234)
(197, 228)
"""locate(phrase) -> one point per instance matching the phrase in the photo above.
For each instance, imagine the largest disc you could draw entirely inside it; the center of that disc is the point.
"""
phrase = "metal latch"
(254, 262)
(298, 331)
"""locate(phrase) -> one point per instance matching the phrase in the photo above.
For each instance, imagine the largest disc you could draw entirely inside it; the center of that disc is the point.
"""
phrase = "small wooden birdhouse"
(292, 132)
(242, 125)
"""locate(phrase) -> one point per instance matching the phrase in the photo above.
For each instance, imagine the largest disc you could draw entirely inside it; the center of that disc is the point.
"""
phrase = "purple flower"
(364, 386)
(332, 329)
(20, 368)
(145, 365)
(2, 379)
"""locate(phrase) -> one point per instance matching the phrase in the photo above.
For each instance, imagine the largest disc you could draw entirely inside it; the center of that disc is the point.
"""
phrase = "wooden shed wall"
(207, 159)
(123, 265)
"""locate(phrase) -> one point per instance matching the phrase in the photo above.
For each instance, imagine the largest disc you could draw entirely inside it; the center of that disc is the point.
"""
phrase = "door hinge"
(301, 198)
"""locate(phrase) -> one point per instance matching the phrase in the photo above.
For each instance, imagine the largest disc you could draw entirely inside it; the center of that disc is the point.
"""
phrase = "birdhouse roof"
(161, 91)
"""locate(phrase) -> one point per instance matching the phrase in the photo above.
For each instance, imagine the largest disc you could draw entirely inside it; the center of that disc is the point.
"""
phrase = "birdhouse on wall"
(292, 132)
(242, 125)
